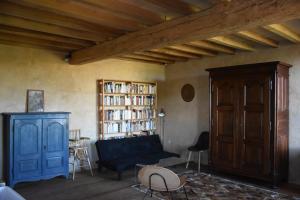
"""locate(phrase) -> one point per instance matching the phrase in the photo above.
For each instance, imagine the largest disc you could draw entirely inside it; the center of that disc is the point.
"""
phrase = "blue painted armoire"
(35, 146)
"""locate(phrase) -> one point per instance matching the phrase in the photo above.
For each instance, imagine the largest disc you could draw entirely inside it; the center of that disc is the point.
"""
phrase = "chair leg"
(186, 196)
(146, 194)
(88, 160)
(188, 161)
(74, 164)
(199, 161)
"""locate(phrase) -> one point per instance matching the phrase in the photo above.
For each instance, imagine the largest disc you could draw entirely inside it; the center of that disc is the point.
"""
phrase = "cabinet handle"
(44, 147)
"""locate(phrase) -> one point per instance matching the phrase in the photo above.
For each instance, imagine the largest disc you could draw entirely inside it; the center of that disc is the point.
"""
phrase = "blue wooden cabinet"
(36, 146)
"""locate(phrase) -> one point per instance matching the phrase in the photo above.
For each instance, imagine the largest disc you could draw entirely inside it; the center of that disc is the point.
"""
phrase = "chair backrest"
(156, 175)
(203, 140)
(74, 137)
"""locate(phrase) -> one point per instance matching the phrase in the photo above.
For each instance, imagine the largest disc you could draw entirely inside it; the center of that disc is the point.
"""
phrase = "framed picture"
(35, 100)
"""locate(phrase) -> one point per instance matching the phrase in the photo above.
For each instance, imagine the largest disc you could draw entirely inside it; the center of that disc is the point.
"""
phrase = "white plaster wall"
(67, 87)
(189, 119)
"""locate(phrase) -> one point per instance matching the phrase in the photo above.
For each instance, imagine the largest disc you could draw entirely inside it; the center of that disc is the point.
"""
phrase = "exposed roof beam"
(48, 28)
(45, 36)
(212, 46)
(231, 43)
(128, 10)
(175, 52)
(140, 60)
(258, 38)
(79, 10)
(191, 49)
(162, 55)
(217, 20)
(284, 32)
(177, 6)
(42, 16)
(150, 58)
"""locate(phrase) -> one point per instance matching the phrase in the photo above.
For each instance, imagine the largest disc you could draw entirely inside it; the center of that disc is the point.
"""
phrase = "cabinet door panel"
(223, 131)
(27, 149)
(254, 124)
(55, 142)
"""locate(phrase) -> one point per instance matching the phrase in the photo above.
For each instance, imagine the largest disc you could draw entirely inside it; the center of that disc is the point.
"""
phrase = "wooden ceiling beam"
(198, 26)
(176, 6)
(48, 28)
(128, 10)
(162, 55)
(258, 38)
(29, 45)
(45, 36)
(82, 11)
(175, 52)
(191, 49)
(231, 43)
(140, 60)
(212, 46)
(36, 41)
(142, 57)
(284, 32)
(13, 9)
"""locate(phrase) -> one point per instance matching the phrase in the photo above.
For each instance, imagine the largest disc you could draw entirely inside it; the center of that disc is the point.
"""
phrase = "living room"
(70, 86)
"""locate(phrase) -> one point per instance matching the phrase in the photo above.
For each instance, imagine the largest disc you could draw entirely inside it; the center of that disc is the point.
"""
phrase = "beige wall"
(67, 88)
(184, 121)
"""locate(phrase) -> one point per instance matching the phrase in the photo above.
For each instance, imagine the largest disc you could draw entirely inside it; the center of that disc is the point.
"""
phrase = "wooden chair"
(161, 179)
(78, 149)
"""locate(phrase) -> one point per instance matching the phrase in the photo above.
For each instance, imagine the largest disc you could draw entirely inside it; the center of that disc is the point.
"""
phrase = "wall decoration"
(35, 100)
(187, 93)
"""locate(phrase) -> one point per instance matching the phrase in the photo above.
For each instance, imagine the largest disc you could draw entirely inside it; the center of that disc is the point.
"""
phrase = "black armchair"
(201, 145)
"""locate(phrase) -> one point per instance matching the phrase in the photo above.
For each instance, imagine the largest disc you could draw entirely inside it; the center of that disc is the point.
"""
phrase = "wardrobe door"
(27, 149)
(254, 111)
(55, 145)
(223, 123)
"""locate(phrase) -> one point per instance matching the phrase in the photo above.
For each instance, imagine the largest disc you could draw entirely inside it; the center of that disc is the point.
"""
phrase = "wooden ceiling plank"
(13, 9)
(247, 15)
(212, 46)
(258, 38)
(231, 43)
(46, 36)
(48, 28)
(82, 11)
(162, 55)
(284, 32)
(191, 49)
(140, 60)
(39, 42)
(128, 10)
(149, 58)
(175, 52)
(28, 45)
(177, 6)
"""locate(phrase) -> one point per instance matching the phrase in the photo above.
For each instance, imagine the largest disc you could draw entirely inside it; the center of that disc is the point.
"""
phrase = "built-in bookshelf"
(126, 108)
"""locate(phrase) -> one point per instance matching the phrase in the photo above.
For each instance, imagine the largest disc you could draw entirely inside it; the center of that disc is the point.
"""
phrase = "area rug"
(209, 187)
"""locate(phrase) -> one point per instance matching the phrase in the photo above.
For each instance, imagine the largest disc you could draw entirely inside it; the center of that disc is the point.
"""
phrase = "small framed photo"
(35, 100)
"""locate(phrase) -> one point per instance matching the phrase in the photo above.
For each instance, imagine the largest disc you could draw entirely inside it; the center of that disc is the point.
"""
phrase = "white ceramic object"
(172, 180)
(6, 193)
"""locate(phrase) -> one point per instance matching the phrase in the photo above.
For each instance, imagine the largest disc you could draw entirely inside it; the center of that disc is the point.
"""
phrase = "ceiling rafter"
(227, 41)
(140, 60)
(167, 61)
(175, 52)
(212, 46)
(258, 38)
(162, 55)
(284, 32)
(191, 49)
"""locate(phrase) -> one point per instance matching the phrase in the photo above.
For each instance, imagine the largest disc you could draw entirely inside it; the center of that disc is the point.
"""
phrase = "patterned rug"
(209, 187)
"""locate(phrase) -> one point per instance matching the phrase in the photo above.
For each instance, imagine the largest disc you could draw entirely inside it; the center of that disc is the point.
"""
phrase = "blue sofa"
(122, 154)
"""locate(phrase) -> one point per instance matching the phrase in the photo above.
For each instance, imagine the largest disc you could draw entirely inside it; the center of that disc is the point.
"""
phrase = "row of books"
(143, 89)
(125, 126)
(117, 100)
(112, 87)
(143, 100)
(143, 114)
(117, 114)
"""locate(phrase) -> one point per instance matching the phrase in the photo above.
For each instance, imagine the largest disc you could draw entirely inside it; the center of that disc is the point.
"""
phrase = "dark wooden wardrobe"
(249, 120)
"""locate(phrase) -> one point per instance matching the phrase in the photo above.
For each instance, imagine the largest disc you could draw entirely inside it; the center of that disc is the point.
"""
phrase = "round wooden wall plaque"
(188, 92)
